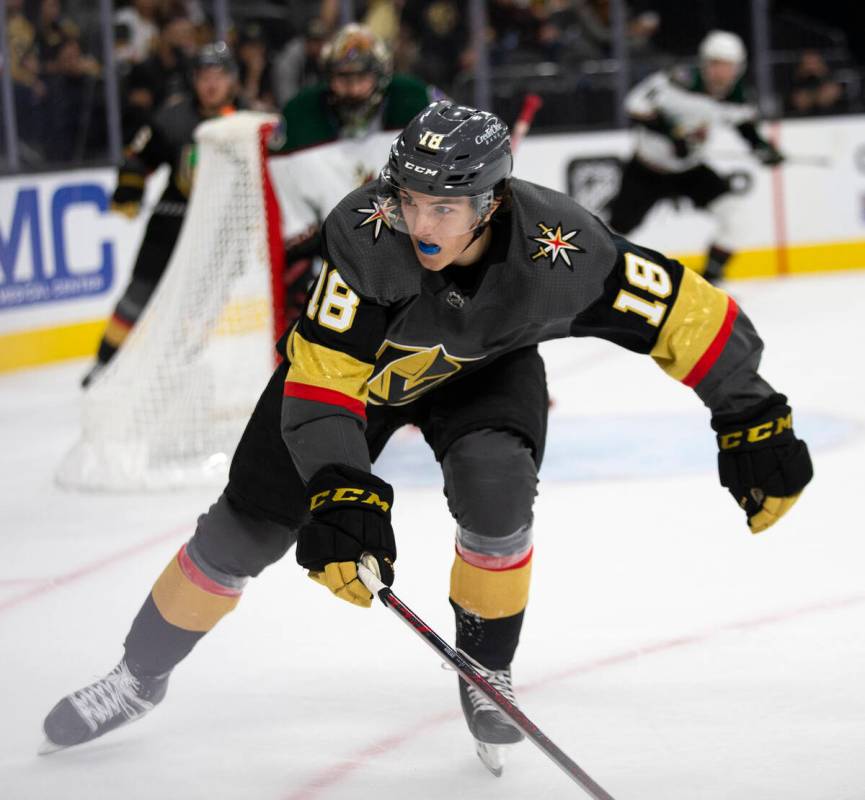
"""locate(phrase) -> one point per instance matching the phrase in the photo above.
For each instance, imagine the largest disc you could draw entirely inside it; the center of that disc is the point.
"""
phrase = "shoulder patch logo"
(553, 243)
(381, 214)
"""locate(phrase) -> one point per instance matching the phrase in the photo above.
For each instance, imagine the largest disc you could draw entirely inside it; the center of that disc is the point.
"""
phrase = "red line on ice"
(47, 585)
(330, 776)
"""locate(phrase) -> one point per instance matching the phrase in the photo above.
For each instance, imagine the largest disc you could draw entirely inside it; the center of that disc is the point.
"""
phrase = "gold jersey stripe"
(691, 326)
(185, 605)
(491, 594)
(317, 365)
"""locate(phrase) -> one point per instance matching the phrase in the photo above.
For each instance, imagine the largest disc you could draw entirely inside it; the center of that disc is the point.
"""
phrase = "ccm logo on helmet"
(421, 170)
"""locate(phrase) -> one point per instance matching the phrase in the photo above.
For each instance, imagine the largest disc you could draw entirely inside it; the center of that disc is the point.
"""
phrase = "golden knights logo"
(554, 243)
(403, 373)
(383, 212)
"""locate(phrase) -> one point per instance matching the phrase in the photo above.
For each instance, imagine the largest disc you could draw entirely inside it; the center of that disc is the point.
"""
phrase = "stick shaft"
(467, 670)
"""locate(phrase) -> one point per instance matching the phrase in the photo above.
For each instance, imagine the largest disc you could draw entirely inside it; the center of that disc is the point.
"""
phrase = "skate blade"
(492, 756)
(47, 747)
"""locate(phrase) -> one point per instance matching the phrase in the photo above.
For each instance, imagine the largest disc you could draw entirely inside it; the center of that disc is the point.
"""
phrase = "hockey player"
(674, 114)
(166, 140)
(329, 142)
(439, 282)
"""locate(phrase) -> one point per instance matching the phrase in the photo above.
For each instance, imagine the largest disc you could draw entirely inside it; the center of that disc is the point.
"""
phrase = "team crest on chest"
(381, 214)
(403, 373)
(552, 244)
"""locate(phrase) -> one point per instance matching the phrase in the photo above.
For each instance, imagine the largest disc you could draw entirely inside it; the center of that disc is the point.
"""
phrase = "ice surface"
(670, 653)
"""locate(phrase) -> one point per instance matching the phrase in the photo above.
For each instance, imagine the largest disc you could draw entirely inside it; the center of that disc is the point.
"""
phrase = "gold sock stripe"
(185, 605)
(491, 594)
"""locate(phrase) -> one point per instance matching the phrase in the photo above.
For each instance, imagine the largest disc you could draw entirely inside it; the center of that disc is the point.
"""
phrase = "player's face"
(441, 228)
(214, 88)
(352, 88)
(720, 75)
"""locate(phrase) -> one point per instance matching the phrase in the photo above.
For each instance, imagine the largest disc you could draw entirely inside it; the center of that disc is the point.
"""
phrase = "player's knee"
(491, 483)
(232, 541)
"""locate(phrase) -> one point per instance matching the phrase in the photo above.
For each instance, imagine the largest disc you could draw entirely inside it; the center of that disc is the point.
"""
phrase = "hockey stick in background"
(465, 668)
(531, 104)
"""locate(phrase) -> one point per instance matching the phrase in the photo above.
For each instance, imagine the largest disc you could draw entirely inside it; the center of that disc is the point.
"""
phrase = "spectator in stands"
(594, 33)
(814, 89)
(298, 64)
(140, 29)
(53, 31)
(28, 88)
(435, 41)
(20, 40)
(161, 76)
(256, 88)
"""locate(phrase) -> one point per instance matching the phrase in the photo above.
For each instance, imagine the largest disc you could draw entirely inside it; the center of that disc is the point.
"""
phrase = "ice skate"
(491, 729)
(110, 702)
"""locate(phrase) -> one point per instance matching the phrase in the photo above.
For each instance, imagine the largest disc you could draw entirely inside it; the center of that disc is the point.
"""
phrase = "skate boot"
(490, 727)
(110, 702)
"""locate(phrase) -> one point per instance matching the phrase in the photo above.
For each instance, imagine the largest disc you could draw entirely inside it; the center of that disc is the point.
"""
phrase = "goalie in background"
(674, 113)
(440, 281)
(166, 140)
(322, 149)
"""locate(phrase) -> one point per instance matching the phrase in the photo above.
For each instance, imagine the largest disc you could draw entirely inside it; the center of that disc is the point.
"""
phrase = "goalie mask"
(451, 162)
(357, 67)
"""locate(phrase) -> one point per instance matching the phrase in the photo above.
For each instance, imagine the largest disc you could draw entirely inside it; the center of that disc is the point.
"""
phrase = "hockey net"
(169, 409)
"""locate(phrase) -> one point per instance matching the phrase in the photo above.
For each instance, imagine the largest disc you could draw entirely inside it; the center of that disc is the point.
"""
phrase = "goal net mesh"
(169, 409)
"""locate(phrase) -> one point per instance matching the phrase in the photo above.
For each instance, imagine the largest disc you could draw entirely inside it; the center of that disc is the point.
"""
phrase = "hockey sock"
(716, 260)
(186, 601)
(489, 596)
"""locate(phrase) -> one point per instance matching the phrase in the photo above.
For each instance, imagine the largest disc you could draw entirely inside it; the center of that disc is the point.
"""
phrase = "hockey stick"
(470, 674)
(531, 104)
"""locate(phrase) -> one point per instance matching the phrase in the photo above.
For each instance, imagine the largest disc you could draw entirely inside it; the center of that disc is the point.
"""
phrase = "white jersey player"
(674, 113)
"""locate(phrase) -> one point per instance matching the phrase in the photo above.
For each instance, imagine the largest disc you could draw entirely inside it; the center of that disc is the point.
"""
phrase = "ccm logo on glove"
(757, 433)
(346, 494)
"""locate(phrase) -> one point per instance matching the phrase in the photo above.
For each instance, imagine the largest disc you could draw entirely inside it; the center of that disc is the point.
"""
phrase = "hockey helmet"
(723, 46)
(355, 50)
(450, 150)
(215, 54)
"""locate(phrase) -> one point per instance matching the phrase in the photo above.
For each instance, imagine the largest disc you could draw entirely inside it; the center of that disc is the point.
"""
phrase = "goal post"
(169, 408)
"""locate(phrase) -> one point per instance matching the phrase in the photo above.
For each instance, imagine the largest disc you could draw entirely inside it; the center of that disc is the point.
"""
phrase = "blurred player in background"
(440, 281)
(326, 144)
(674, 114)
(166, 140)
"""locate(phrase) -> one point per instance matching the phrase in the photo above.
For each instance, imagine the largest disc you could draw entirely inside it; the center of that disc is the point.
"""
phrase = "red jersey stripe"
(304, 391)
(713, 351)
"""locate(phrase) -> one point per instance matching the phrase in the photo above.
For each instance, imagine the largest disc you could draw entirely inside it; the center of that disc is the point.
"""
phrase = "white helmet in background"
(723, 46)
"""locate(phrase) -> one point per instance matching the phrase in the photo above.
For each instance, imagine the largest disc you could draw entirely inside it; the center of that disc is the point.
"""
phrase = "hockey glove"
(761, 461)
(768, 155)
(350, 516)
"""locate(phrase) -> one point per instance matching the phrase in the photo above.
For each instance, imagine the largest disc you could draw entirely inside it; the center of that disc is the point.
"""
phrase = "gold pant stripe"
(491, 594)
(316, 365)
(186, 605)
(691, 326)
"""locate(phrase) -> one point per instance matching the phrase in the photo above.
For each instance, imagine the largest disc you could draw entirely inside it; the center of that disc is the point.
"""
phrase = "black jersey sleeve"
(332, 351)
(694, 331)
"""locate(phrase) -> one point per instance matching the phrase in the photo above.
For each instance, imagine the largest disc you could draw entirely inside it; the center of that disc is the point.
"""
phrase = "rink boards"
(64, 258)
